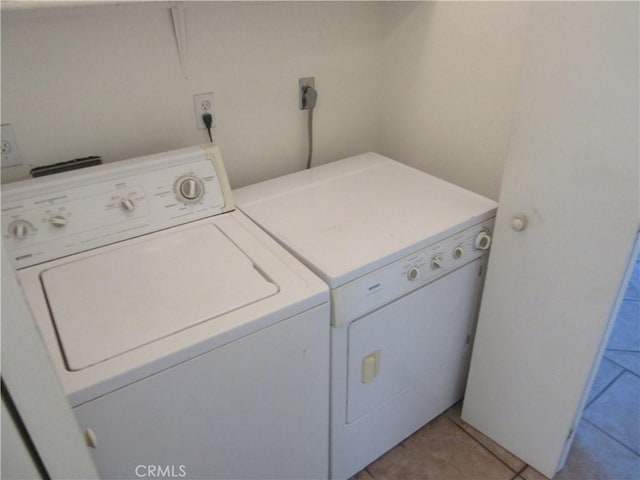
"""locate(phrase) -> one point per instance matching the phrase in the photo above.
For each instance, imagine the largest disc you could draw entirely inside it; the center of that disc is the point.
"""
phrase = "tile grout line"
(611, 437)
(517, 475)
(615, 379)
(623, 350)
(487, 449)
(624, 369)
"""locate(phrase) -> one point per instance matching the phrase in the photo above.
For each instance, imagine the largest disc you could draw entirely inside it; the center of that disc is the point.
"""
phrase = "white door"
(29, 380)
(572, 171)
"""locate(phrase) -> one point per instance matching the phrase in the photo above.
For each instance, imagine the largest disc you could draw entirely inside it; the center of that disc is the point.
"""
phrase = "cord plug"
(207, 118)
(309, 97)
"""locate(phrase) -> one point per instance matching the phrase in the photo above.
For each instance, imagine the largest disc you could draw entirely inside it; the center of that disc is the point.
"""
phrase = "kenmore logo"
(22, 257)
(373, 287)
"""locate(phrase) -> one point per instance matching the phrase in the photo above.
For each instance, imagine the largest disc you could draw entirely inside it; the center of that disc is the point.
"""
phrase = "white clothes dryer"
(404, 255)
(189, 343)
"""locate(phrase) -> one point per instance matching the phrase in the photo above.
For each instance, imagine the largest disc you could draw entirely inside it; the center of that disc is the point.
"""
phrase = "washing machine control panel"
(59, 215)
(370, 292)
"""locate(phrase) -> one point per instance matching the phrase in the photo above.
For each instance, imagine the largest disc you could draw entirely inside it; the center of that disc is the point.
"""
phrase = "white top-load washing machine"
(404, 254)
(190, 344)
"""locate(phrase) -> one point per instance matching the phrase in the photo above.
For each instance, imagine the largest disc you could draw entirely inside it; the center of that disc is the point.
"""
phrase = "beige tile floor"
(606, 447)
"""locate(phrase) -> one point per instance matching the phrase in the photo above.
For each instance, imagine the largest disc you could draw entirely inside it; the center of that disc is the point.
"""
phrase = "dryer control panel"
(380, 287)
(67, 213)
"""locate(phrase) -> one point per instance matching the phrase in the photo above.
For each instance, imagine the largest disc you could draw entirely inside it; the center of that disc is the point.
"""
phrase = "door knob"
(519, 222)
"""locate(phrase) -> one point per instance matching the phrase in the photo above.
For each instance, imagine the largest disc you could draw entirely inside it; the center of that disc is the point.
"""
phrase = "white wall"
(107, 81)
(430, 84)
(451, 76)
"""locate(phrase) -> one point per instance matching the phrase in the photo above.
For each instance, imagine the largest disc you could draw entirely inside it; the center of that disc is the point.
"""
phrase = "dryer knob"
(413, 273)
(436, 262)
(458, 251)
(482, 241)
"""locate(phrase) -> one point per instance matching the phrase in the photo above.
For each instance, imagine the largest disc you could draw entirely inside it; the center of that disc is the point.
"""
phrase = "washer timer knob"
(189, 189)
(482, 241)
(436, 262)
(458, 251)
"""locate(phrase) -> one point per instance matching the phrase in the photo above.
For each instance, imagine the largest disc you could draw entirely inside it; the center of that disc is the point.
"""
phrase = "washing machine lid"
(349, 217)
(107, 304)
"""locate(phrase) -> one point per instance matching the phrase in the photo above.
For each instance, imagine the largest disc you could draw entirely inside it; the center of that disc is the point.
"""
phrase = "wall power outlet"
(203, 103)
(302, 83)
(9, 147)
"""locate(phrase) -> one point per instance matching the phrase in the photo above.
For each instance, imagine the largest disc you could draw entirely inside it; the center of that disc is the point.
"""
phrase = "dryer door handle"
(90, 438)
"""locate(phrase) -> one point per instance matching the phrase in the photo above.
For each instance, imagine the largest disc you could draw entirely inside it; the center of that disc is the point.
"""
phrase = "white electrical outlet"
(304, 82)
(9, 147)
(203, 103)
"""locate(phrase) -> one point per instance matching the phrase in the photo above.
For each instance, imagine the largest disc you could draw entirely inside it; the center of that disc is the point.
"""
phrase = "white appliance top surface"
(357, 214)
(144, 305)
(106, 304)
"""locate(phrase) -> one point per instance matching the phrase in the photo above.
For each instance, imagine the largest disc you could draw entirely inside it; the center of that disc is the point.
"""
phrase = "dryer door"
(112, 302)
(419, 344)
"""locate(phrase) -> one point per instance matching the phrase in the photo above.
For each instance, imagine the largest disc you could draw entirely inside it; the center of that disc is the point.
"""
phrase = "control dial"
(436, 262)
(127, 205)
(58, 221)
(458, 251)
(189, 189)
(482, 241)
(19, 229)
(413, 273)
